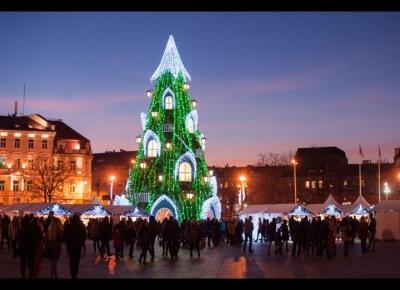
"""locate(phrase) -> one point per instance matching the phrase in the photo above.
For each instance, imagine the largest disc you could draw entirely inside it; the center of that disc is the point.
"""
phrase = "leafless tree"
(274, 159)
(46, 179)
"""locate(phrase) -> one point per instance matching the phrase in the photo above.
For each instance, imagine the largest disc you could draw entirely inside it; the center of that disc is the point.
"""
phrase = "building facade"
(111, 165)
(25, 139)
(319, 172)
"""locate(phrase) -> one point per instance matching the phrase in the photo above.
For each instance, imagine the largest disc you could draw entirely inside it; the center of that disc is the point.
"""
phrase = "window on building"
(185, 172)
(16, 200)
(30, 163)
(2, 185)
(18, 163)
(345, 183)
(72, 165)
(29, 186)
(2, 162)
(190, 126)
(60, 146)
(44, 144)
(226, 184)
(152, 148)
(60, 164)
(320, 184)
(313, 184)
(72, 187)
(17, 143)
(307, 185)
(31, 143)
(168, 103)
(15, 185)
(3, 143)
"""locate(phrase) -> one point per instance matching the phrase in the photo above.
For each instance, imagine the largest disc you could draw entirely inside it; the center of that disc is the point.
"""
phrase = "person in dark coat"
(285, 234)
(271, 234)
(248, 234)
(172, 237)
(130, 236)
(216, 232)
(29, 239)
(363, 234)
(296, 237)
(372, 232)
(74, 237)
(5, 223)
(152, 235)
(209, 232)
(259, 231)
(192, 235)
(106, 235)
(143, 240)
(239, 233)
(164, 239)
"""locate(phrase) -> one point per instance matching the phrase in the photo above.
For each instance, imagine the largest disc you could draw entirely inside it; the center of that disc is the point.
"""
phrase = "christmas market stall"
(44, 210)
(256, 211)
(88, 211)
(15, 208)
(300, 211)
(135, 213)
(357, 209)
(387, 215)
(117, 211)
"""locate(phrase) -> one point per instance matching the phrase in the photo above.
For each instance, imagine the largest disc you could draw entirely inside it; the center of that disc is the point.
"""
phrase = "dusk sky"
(265, 82)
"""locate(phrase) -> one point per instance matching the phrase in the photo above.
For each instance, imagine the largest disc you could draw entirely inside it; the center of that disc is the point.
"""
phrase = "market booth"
(117, 211)
(357, 209)
(387, 215)
(135, 213)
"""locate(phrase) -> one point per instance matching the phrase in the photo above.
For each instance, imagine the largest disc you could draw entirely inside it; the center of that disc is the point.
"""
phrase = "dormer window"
(185, 172)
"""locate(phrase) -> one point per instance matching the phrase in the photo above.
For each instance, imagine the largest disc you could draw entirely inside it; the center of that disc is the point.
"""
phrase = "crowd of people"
(33, 238)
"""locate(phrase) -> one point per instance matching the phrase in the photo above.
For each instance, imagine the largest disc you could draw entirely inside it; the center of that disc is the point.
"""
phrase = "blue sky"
(265, 81)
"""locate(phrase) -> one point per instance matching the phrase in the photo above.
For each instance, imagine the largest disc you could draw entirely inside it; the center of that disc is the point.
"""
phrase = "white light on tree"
(160, 178)
(142, 165)
(171, 61)
(186, 86)
(205, 179)
(154, 114)
(168, 145)
(194, 104)
(138, 139)
(211, 173)
(149, 93)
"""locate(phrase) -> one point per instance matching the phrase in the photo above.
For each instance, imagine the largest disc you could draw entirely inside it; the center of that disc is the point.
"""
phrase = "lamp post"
(294, 177)
(386, 189)
(242, 193)
(112, 178)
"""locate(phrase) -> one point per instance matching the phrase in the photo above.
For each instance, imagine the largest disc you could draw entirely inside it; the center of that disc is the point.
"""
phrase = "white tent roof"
(361, 200)
(315, 207)
(95, 200)
(388, 205)
(283, 208)
(254, 209)
(118, 209)
(330, 200)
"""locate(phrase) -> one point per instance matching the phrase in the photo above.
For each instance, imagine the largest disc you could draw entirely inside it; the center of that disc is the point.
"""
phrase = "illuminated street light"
(112, 178)
(386, 189)
(294, 162)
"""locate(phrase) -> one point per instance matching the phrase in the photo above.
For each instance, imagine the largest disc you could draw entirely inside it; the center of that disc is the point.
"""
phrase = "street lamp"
(386, 189)
(294, 162)
(242, 193)
(112, 178)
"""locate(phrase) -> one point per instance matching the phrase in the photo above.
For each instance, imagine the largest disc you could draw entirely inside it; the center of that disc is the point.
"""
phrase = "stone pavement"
(228, 262)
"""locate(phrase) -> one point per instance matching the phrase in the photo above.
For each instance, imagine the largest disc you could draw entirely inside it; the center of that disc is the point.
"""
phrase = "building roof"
(254, 209)
(121, 157)
(66, 132)
(26, 123)
(361, 200)
(320, 150)
(330, 200)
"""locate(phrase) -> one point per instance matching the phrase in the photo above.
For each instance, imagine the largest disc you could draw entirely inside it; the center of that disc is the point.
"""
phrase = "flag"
(379, 151)
(361, 152)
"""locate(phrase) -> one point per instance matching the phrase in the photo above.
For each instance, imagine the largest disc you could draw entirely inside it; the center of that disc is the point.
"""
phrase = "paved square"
(228, 262)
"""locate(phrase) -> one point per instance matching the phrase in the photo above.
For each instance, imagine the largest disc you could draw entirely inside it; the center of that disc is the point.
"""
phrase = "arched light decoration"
(142, 165)
(149, 93)
(168, 93)
(186, 86)
(143, 119)
(138, 139)
(214, 185)
(168, 200)
(160, 178)
(150, 135)
(214, 204)
(187, 157)
(193, 117)
(154, 114)
(171, 61)
(168, 145)
(194, 103)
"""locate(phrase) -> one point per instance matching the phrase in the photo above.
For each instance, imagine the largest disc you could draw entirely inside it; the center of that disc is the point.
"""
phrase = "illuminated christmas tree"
(170, 176)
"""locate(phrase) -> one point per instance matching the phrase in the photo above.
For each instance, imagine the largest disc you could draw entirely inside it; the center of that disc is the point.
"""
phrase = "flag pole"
(379, 175)
(359, 174)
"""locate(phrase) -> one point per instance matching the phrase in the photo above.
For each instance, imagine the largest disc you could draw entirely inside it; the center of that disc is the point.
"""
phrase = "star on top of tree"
(171, 61)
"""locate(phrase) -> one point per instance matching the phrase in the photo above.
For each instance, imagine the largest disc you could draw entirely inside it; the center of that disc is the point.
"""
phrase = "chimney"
(15, 108)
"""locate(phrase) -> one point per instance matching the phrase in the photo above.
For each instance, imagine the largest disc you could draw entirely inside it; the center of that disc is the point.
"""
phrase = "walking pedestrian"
(372, 232)
(54, 239)
(363, 234)
(248, 234)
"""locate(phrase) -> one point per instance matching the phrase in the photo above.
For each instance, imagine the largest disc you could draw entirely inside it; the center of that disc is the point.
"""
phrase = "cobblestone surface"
(227, 262)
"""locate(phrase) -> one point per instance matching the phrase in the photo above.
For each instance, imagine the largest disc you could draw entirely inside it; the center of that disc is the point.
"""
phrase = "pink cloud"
(68, 104)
